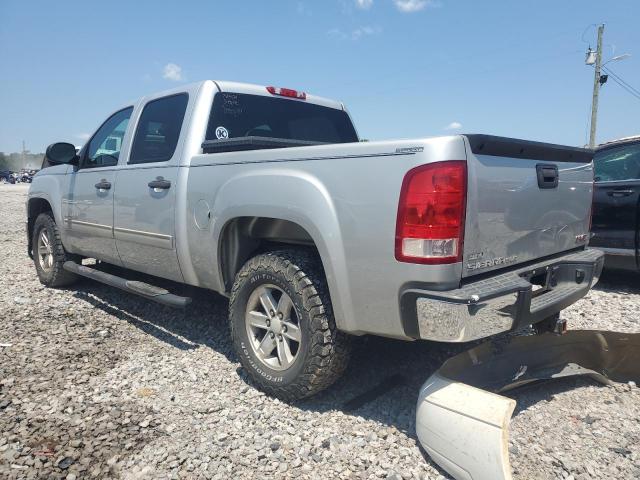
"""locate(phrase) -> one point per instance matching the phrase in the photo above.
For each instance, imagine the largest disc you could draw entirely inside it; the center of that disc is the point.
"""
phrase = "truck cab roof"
(619, 141)
(239, 87)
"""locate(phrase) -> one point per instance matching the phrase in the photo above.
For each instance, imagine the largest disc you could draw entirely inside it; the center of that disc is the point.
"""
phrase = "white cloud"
(356, 34)
(409, 6)
(337, 33)
(364, 31)
(83, 136)
(453, 126)
(364, 4)
(172, 72)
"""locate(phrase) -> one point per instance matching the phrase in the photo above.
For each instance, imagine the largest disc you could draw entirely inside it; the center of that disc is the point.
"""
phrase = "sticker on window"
(222, 133)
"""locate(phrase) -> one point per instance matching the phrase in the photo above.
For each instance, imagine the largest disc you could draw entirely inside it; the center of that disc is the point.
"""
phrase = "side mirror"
(59, 153)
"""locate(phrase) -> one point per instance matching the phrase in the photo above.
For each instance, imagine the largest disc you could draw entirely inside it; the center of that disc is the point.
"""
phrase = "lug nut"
(280, 337)
(271, 334)
(280, 316)
(284, 328)
(268, 323)
(271, 313)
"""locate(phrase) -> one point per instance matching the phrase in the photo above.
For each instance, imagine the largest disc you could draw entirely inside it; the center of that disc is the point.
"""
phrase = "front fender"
(300, 198)
(49, 186)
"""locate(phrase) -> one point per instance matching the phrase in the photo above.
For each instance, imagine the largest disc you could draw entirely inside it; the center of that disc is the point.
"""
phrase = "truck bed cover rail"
(239, 144)
(516, 148)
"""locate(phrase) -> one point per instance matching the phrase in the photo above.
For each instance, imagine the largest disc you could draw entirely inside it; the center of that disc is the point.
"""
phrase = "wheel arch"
(244, 237)
(35, 206)
(289, 209)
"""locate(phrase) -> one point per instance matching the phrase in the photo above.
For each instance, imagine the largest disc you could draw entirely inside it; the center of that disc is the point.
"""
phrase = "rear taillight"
(431, 213)
(287, 92)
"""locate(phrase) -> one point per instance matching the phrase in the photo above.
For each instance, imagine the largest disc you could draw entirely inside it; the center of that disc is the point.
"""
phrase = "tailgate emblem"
(492, 263)
(581, 238)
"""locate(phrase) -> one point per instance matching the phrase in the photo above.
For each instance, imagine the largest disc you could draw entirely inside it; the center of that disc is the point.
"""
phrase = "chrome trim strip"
(150, 239)
(622, 252)
(88, 224)
(143, 233)
(614, 182)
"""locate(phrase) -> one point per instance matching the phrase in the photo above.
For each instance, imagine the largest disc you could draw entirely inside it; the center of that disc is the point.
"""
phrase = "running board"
(150, 292)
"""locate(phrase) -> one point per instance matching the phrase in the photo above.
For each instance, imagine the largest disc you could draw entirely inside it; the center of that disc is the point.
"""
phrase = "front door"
(617, 193)
(144, 215)
(88, 205)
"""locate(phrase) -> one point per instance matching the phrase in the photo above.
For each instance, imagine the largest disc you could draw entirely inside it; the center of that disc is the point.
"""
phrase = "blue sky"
(404, 68)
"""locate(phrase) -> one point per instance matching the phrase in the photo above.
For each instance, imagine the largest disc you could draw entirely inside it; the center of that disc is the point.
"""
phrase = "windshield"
(237, 115)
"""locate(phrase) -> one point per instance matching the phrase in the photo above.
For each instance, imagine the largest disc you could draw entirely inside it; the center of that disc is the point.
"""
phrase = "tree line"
(17, 161)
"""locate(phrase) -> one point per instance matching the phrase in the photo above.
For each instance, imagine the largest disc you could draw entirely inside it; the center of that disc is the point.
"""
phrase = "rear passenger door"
(616, 197)
(144, 204)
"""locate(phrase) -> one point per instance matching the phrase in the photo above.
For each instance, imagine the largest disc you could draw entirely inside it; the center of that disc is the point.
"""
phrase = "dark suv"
(615, 209)
(6, 177)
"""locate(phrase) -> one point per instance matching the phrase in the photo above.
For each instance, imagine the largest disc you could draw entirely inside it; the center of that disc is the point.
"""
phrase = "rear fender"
(299, 198)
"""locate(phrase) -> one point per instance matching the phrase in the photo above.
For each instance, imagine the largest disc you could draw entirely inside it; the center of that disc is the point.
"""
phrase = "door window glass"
(159, 129)
(104, 148)
(617, 163)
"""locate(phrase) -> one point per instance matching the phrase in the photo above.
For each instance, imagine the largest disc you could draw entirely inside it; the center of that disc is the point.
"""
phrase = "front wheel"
(282, 325)
(49, 254)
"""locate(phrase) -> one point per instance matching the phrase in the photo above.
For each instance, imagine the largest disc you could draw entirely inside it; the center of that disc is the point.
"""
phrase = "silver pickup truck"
(265, 195)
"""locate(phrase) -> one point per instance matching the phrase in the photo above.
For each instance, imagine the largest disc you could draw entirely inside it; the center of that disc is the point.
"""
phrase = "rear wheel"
(282, 325)
(49, 254)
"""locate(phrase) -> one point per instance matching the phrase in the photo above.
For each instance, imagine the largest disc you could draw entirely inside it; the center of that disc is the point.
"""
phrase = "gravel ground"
(95, 383)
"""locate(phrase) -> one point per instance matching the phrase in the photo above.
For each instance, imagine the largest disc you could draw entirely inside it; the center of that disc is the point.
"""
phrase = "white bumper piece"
(464, 426)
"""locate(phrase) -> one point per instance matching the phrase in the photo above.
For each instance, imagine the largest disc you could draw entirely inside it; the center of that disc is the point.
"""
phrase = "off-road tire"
(56, 276)
(324, 351)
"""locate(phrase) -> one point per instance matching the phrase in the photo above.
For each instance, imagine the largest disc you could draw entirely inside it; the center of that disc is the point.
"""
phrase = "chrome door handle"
(103, 185)
(160, 184)
(619, 193)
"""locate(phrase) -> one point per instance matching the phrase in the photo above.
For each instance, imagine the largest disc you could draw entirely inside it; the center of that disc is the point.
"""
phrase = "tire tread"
(60, 277)
(330, 348)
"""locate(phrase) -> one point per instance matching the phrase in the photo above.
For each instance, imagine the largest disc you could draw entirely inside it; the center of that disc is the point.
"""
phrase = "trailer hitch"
(462, 421)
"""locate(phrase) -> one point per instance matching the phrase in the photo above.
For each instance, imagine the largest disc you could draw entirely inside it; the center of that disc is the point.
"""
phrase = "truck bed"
(345, 197)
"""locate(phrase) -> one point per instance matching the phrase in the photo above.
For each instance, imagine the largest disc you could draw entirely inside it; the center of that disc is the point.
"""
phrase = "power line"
(616, 76)
(585, 31)
(628, 89)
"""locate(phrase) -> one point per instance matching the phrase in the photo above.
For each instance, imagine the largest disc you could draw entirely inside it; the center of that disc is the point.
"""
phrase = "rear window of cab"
(238, 115)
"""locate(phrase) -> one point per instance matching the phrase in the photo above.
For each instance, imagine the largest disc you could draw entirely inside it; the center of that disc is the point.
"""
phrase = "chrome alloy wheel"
(45, 251)
(273, 327)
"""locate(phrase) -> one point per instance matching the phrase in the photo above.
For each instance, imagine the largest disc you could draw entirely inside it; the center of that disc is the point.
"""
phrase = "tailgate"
(526, 200)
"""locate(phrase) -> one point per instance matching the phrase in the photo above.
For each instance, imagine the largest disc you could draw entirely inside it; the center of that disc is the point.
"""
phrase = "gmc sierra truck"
(265, 195)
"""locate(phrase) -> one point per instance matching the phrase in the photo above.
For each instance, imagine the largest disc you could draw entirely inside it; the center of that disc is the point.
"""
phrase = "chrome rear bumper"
(502, 302)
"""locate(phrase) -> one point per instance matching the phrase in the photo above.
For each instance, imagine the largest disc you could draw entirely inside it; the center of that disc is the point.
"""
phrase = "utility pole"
(596, 89)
